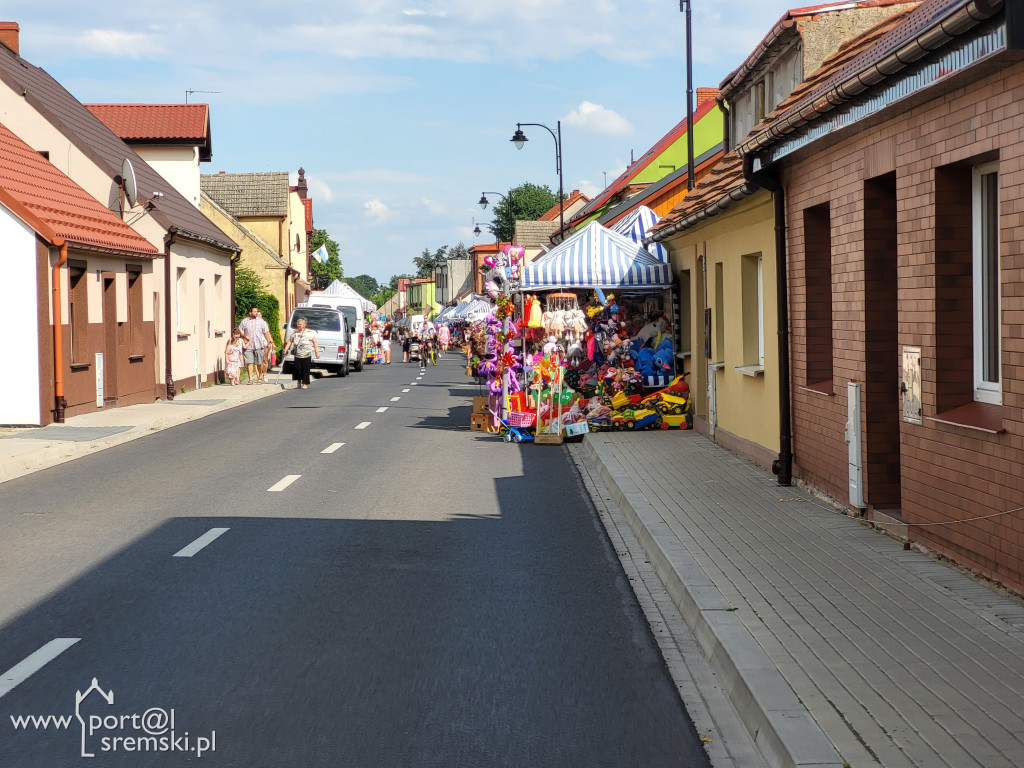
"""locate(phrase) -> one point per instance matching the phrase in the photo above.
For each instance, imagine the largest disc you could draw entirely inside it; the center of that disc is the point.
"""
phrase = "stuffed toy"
(650, 332)
(663, 355)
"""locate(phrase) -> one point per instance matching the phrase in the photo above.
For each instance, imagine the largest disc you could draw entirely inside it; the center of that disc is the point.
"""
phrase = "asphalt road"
(422, 596)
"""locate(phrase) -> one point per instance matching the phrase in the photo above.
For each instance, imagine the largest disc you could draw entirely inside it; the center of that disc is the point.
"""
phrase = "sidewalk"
(23, 451)
(834, 643)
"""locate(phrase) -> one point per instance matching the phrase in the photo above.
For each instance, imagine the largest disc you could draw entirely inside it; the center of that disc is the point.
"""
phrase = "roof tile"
(35, 183)
(248, 194)
(106, 149)
(135, 122)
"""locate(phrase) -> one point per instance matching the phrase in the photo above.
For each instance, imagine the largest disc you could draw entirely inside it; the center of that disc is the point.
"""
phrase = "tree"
(393, 282)
(527, 202)
(459, 251)
(250, 290)
(364, 285)
(383, 296)
(427, 261)
(325, 274)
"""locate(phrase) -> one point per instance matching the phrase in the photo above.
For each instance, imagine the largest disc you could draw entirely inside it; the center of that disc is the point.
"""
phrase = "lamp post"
(684, 7)
(519, 139)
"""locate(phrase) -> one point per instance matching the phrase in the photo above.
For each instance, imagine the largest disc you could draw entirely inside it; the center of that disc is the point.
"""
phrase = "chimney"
(705, 94)
(301, 187)
(9, 34)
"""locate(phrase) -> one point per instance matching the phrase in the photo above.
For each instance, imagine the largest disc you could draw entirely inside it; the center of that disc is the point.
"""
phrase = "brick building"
(902, 161)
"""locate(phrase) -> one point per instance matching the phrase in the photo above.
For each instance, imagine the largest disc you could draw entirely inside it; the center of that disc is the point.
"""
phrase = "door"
(203, 330)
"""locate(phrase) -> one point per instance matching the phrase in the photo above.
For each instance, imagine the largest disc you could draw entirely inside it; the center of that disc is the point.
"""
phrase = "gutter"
(169, 238)
(59, 403)
(734, 195)
(935, 36)
(783, 465)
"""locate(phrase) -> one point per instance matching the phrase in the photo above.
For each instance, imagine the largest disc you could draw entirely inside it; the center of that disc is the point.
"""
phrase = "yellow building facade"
(726, 271)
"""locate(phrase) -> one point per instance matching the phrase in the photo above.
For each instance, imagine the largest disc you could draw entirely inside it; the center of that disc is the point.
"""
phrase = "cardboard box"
(482, 422)
(480, 405)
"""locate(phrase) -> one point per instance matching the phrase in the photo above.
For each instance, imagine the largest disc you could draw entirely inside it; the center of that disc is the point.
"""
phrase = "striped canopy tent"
(445, 314)
(596, 257)
(636, 225)
(477, 310)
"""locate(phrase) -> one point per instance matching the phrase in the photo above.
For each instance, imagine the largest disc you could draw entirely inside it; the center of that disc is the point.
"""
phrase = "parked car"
(353, 311)
(333, 336)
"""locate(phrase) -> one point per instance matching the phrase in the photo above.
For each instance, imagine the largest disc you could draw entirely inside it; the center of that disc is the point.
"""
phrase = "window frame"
(985, 390)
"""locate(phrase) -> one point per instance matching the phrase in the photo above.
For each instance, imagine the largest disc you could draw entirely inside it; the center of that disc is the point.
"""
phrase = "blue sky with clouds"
(401, 111)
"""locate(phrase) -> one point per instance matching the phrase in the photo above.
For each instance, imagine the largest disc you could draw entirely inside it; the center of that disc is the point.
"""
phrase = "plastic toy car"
(646, 419)
(676, 422)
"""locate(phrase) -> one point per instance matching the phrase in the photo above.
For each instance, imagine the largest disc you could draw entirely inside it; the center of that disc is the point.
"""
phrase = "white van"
(353, 311)
(332, 335)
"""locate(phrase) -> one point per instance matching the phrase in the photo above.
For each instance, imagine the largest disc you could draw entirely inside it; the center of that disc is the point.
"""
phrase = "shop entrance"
(883, 361)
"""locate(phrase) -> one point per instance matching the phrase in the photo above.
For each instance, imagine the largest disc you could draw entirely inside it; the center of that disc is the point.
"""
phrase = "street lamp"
(519, 140)
(483, 202)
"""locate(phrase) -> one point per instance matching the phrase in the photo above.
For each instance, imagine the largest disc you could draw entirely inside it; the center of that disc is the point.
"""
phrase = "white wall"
(297, 226)
(19, 392)
(190, 334)
(179, 165)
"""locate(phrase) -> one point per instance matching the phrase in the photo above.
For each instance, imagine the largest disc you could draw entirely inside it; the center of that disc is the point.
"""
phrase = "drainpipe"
(59, 403)
(783, 465)
(169, 238)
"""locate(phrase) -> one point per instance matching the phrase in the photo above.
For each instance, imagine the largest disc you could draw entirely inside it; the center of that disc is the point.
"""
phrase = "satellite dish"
(128, 182)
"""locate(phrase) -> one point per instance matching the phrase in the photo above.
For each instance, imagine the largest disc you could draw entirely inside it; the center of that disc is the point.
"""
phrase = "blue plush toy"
(645, 362)
(663, 355)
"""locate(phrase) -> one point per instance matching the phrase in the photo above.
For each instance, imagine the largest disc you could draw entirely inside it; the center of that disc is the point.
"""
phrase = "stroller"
(515, 429)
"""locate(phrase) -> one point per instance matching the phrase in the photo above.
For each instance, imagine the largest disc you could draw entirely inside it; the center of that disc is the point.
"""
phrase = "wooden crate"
(548, 439)
(480, 405)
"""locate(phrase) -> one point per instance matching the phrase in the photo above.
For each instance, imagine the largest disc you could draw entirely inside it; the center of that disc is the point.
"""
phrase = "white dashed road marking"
(382, 409)
(364, 425)
(407, 390)
(25, 669)
(284, 482)
(332, 448)
(204, 540)
(395, 399)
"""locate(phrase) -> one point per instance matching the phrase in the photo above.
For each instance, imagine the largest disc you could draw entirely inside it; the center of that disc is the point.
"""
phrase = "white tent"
(596, 257)
(345, 291)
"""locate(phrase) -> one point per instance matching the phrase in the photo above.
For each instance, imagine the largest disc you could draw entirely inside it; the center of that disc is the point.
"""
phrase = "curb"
(778, 722)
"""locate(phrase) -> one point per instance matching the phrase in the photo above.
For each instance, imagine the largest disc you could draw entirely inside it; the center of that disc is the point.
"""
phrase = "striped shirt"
(256, 329)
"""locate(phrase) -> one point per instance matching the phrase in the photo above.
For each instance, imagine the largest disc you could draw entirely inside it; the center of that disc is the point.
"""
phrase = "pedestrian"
(305, 348)
(257, 338)
(443, 337)
(233, 357)
(268, 353)
(406, 343)
(385, 347)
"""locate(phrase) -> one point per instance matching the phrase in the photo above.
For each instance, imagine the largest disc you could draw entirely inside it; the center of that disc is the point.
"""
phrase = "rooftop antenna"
(190, 91)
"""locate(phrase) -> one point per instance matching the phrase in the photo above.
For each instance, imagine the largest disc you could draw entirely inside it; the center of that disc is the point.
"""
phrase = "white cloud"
(377, 210)
(588, 188)
(319, 190)
(112, 42)
(594, 118)
(434, 207)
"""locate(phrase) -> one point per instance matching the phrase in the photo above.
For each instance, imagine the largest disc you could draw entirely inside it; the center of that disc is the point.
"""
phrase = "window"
(818, 295)
(719, 312)
(985, 249)
(134, 311)
(759, 111)
(180, 300)
(78, 314)
(753, 310)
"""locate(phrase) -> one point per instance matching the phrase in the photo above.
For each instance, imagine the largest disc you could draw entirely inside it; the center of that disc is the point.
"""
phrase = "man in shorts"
(257, 338)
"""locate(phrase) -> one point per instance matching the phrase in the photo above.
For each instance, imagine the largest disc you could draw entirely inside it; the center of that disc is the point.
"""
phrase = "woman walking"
(443, 337)
(304, 342)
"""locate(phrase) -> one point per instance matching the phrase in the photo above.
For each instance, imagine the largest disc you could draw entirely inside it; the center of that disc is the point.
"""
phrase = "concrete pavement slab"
(895, 658)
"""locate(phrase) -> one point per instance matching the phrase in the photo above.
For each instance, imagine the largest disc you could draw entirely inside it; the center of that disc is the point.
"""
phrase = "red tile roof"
(137, 122)
(553, 212)
(55, 206)
(726, 176)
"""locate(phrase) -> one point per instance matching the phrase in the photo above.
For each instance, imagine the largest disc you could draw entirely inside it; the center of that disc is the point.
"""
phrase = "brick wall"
(946, 472)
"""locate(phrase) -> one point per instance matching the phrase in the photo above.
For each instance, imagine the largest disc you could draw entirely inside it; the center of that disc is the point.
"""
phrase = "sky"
(401, 111)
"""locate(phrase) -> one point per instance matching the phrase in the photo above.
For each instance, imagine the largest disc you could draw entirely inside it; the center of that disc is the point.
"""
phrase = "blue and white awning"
(596, 257)
(636, 225)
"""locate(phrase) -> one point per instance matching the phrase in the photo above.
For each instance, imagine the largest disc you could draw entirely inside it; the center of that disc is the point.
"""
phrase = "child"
(233, 357)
